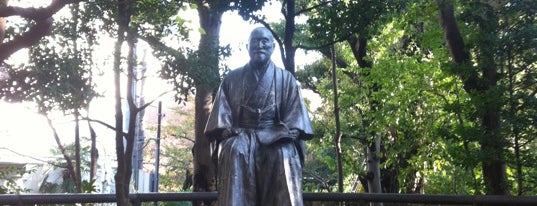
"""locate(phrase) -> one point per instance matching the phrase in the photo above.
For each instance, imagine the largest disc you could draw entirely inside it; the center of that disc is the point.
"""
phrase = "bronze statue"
(260, 122)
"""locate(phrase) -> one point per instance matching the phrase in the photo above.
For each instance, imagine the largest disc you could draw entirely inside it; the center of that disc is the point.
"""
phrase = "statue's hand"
(293, 133)
(229, 132)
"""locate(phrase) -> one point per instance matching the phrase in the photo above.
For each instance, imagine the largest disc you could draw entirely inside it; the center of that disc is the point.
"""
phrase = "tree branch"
(36, 159)
(455, 44)
(43, 25)
(155, 42)
(152, 101)
(102, 123)
(342, 39)
(37, 13)
(306, 10)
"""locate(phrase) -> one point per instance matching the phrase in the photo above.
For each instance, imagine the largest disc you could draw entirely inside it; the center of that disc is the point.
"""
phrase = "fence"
(356, 198)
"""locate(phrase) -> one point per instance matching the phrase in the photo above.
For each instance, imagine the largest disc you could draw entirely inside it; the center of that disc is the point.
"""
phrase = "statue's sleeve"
(220, 117)
(294, 111)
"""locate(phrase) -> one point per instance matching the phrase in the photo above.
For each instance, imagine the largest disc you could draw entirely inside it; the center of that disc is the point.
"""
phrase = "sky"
(24, 133)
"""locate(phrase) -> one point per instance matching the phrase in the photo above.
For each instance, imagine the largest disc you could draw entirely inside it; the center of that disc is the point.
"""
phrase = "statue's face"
(260, 46)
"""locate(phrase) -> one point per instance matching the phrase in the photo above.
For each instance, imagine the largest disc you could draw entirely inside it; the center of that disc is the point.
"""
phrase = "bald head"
(261, 30)
(260, 46)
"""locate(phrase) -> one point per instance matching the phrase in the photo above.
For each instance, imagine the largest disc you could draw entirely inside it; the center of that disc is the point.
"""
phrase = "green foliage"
(68, 185)
(176, 146)
(89, 186)
(412, 96)
(245, 8)
(8, 178)
(320, 166)
(59, 74)
(339, 20)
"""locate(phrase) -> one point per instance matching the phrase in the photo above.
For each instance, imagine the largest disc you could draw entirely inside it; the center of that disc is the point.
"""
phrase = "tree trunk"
(206, 81)
(139, 134)
(3, 3)
(494, 170)
(290, 50)
(94, 153)
(358, 47)
(492, 143)
(359, 50)
(78, 176)
(515, 128)
(122, 196)
(4, 74)
(133, 111)
(204, 168)
(373, 169)
(132, 108)
(337, 137)
(122, 187)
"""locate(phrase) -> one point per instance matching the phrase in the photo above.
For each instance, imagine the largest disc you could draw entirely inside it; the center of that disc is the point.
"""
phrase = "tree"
(475, 63)
(57, 78)
(124, 151)
(354, 22)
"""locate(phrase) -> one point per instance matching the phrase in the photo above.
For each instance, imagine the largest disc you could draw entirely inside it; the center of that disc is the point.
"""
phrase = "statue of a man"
(260, 122)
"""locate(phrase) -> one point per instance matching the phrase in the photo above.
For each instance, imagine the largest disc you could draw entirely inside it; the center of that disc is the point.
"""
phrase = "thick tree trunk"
(494, 170)
(373, 169)
(204, 168)
(359, 51)
(206, 81)
(358, 47)
(492, 143)
(290, 50)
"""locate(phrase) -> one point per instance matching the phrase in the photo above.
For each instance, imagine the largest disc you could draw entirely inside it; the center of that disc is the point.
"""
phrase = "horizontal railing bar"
(23, 199)
(103, 198)
(420, 198)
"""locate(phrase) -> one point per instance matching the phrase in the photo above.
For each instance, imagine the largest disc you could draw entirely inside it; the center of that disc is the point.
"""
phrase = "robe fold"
(260, 163)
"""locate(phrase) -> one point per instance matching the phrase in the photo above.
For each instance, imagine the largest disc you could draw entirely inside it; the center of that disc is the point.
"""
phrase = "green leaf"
(201, 31)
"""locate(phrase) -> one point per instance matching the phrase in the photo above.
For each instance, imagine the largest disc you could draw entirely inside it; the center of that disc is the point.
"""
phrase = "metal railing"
(361, 198)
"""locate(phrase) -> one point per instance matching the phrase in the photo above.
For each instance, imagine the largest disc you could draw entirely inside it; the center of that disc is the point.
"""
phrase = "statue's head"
(260, 46)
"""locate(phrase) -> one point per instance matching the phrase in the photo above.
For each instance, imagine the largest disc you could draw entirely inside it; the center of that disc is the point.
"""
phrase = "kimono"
(260, 163)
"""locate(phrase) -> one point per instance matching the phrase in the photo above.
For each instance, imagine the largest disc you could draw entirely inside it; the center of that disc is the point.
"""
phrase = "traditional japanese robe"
(260, 162)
